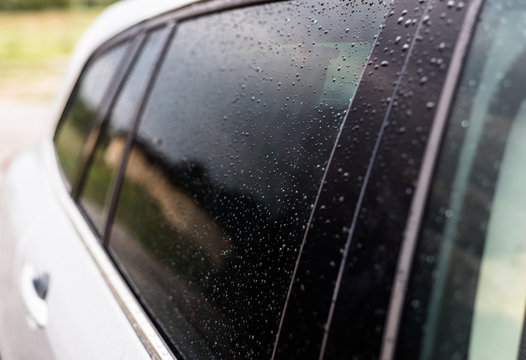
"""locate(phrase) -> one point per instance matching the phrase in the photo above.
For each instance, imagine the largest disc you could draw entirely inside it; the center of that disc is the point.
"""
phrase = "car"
(241, 179)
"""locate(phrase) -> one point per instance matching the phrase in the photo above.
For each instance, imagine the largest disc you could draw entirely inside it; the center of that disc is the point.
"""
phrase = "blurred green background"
(36, 38)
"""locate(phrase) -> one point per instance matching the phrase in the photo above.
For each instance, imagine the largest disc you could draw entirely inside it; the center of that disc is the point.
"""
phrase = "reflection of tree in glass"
(222, 244)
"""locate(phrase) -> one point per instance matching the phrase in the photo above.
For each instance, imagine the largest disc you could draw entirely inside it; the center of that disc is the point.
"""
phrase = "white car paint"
(89, 312)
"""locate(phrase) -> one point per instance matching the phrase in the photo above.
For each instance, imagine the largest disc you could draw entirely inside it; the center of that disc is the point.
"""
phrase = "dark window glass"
(467, 293)
(108, 153)
(82, 109)
(226, 166)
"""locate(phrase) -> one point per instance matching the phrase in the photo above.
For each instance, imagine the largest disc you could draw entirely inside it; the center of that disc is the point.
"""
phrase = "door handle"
(34, 288)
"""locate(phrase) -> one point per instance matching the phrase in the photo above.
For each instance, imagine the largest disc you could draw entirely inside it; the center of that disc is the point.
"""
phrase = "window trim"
(429, 162)
(139, 321)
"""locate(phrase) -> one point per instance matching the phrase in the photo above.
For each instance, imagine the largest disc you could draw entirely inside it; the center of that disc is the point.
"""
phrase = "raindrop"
(347, 30)
(405, 47)
(397, 40)
(450, 3)
(430, 105)
(423, 80)
(402, 130)
(384, 63)
(464, 123)
(460, 5)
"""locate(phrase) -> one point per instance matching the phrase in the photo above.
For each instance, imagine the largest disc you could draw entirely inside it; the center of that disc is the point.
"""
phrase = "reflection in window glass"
(108, 153)
(226, 165)
(467, 294)
(82, 109)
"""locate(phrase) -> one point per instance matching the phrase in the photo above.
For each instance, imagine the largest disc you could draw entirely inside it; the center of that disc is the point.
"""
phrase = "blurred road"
(22, 124)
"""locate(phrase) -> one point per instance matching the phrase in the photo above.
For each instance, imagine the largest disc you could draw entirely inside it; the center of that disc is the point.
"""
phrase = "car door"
(60, 305)
(208, 212)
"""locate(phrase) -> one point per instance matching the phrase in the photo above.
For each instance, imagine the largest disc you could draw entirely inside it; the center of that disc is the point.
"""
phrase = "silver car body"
(89, 312)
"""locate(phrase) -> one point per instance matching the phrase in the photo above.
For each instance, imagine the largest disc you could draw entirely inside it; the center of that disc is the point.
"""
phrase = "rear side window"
(81, 112)
(226, 166)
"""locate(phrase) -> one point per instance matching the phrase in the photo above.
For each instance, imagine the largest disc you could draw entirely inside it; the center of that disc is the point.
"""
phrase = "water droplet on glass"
(430, 105)
(384, 63)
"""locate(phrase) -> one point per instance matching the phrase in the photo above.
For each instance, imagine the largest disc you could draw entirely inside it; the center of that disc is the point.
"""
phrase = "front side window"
(81, 112)
(467, 294)
(226, 165)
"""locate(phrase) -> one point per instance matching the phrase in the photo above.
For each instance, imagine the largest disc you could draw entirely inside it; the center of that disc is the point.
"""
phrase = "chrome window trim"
(141, 324)
(412, 229)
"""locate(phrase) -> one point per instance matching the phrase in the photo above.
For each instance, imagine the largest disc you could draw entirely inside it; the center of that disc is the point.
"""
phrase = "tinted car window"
(82, 108)
(467, 294)
(225, 169)
(108, 153)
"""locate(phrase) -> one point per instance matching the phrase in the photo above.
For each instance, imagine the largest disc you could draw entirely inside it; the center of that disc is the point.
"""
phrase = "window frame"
(427, 172)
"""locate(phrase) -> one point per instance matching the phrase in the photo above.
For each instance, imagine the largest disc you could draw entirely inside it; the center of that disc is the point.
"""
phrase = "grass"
(34, 48)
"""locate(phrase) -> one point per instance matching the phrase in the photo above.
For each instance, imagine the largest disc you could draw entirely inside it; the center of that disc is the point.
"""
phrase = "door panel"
(85, 321)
